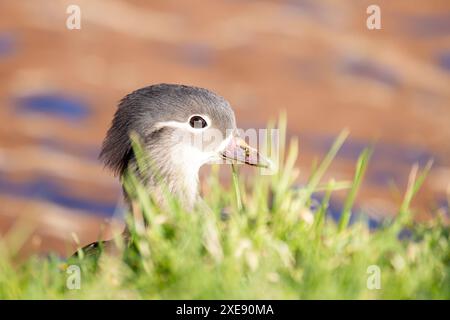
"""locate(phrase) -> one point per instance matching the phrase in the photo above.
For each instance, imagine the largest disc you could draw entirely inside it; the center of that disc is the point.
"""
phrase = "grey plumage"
(141, 109)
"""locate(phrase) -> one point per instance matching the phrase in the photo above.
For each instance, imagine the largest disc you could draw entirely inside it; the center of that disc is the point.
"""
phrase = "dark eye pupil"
(197, 122)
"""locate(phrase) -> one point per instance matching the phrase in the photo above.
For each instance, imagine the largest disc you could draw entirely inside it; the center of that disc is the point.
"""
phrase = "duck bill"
(239, 151)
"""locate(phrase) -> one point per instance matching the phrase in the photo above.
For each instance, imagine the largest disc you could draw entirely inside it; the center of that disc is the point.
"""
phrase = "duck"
(180, 128)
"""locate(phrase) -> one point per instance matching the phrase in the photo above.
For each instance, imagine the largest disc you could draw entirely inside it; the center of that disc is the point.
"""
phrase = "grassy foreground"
(269, 245)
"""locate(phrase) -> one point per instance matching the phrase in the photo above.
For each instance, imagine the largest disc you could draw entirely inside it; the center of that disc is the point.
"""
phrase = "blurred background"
(316, 60)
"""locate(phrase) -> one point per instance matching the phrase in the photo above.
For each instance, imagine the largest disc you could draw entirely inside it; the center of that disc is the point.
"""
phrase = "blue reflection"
(58, 105)
(44, 189)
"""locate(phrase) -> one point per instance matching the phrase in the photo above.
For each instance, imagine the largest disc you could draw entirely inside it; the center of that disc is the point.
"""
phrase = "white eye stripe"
(173, 124)
(184, 125)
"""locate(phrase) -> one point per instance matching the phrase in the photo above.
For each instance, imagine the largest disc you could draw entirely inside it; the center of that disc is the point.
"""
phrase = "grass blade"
(361, 167)
(237, 189)
(318, 174)
(414, 185)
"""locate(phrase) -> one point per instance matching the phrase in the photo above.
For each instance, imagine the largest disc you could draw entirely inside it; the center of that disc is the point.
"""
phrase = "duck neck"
(182, 185)
(169, 173)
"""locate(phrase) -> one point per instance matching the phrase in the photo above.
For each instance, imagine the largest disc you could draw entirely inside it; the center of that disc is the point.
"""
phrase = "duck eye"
(197, 122)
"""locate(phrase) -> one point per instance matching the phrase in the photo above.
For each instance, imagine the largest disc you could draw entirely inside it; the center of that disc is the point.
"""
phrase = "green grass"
(269, 245)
